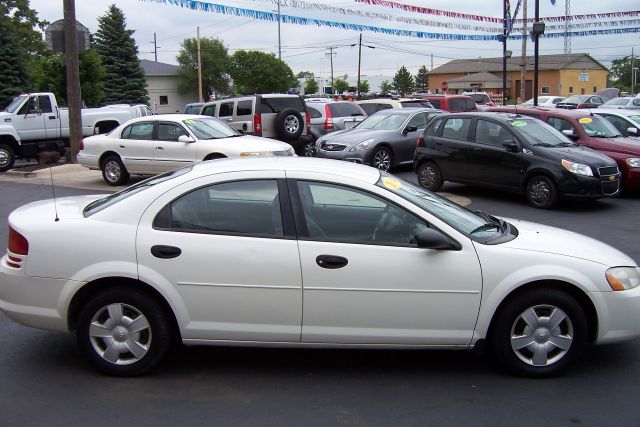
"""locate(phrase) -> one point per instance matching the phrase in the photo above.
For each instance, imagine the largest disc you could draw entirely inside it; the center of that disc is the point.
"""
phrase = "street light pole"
(279, 45)
(538, 28)
(360, 59)
(504, 52)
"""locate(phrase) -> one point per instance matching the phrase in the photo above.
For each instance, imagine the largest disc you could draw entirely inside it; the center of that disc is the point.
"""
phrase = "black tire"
(7, 157)
(382, 158)
(429, 176)
(539, 306)
(289, 124)
(541, 192)
(113, 171)
(106, 332)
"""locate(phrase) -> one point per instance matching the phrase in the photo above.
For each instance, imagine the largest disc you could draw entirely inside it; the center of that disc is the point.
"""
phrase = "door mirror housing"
(410, 129)
(632, 131)
(185, 138)
(432, 239)
(570, 133)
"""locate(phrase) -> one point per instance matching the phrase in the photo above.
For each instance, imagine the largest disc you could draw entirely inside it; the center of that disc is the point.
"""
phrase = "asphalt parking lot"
(46, 381)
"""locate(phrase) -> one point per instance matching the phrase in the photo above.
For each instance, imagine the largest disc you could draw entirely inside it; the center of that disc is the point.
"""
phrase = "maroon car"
(594, 132)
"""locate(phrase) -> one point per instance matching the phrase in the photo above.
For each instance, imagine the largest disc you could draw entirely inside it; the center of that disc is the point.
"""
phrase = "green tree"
(403, 81)
(385, 86)
(340, 85)
(364, 86)
(305, 75)
(215, 64)
(422, 80)
(310, 86)
(621, 72)
(124, 80)
(12, 67)
(259, 72)
(92, 76)
(26, 26)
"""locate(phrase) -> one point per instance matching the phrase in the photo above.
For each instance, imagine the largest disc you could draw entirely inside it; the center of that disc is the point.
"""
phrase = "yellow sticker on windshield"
(391, 183)
(585, 120)
(189, 122)
(518, 123)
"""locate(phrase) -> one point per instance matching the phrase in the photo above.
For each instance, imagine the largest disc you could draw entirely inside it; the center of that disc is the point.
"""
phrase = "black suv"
(512, 152)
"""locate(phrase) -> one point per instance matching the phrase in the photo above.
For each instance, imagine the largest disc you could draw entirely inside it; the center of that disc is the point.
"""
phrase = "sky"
(305, 48)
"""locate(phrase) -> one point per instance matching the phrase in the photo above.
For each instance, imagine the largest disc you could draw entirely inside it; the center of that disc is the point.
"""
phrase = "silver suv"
(329, 116)
(277, 116)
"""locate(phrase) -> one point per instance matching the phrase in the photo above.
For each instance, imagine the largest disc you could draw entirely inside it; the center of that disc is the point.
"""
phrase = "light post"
(537, 30)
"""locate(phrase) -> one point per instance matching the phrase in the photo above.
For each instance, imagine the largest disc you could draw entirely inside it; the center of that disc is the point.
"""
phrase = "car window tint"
(29, 106)
(436, 103)
(491, 133)
(457, 104)
(344, 109)
(345, 214)
(275, 105)
(242, 207)
(369, 108)
(315, 114)
(143, 130)
(419, 121)
(226, 109)
(45, 104)
(209, 110)
(560, 124)
(455, 128)
(244, 108)
(433, 130)
(380, 107)
(170, 132)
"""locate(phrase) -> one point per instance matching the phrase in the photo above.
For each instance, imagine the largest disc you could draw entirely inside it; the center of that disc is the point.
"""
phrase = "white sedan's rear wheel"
(114, 172)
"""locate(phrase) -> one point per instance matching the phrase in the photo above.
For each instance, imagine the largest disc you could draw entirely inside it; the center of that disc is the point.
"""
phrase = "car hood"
(354, 136)
(578, 154)
(621, 145)
(253, 143)
(556, 241)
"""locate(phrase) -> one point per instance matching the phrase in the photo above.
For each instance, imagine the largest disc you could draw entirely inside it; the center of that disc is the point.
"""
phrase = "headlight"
(623, 278)
(362, 146)
(633, 162)
(577, 168)
(256, 154)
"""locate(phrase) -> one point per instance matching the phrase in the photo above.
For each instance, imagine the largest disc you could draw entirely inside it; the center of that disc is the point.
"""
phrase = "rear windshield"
(345, 109)
(617, 101)
(460, 104)
(275, 105)
(576, 99)
(416, 104)
(479, 97)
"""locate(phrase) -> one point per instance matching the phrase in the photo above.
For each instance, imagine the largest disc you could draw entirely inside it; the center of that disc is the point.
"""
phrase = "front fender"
(8, 130)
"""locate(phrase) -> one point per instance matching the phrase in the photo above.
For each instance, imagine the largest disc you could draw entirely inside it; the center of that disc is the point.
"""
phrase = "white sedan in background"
(544, 101)
(155, 144)
(308, 252)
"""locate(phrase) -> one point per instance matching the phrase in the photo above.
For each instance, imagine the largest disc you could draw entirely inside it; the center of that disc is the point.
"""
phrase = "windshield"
(598, 127)
(616, 101)
(383, 121)
(209, 128)
(416, 104)
(462, 219)
(538, 133)
(15, 104)
(575, 99)
(105, 202)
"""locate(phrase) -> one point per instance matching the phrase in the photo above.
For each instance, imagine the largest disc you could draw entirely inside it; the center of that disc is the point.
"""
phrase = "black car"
(582, 101)
(512, 152)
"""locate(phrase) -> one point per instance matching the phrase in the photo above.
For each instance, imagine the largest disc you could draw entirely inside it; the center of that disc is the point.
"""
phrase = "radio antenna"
(53, 190)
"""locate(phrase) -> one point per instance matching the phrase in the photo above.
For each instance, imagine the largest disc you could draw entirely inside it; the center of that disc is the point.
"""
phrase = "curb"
(14, 172)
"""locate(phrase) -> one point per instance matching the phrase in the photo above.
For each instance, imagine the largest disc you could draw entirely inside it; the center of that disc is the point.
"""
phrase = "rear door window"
(142, 130)
(435, 102)
(560, 124)
(457, 104)
(315, 114)
(456, 128)
(226, 109)
(344, 109)
(244, 108)
(209, 110)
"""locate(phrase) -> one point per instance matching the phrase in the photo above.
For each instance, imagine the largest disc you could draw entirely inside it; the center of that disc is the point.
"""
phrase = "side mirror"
(632, 131)
(570, 133)
(185, 138)
(510, 145)
(410, 129)
(432, 239)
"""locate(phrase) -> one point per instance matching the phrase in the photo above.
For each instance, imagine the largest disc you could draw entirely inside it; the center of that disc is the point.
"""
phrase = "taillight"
(81, 144)
(579, 106)
(257, 124)
(420, 142)
(328, 121)
(307, 119)
(18, 245)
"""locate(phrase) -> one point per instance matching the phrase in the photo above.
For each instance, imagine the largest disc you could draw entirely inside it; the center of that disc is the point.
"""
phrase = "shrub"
(48, 157)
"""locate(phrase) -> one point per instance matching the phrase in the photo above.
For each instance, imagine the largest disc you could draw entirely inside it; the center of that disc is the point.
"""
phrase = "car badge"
(612, 178)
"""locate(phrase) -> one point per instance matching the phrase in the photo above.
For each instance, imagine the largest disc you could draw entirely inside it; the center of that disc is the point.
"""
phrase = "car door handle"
(165, 252)
(331, 261)
(122, 146)
(52, 117)
(159, 148)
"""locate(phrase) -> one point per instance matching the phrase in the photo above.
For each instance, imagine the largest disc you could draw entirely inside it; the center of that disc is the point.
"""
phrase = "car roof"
(168, 117)
(344, 169)
(406, 111)
(617, 111)
(543, 110)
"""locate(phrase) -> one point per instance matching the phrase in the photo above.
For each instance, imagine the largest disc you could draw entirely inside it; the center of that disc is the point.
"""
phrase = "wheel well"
(10, 141)
(212, 156)
(106, 126)
(105, 155)
(558, 286)
(90, 289)
(534, 174)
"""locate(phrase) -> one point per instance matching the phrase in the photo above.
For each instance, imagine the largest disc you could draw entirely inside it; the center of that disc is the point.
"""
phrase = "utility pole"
(331, 54)
(279, 45)
(360, 60)
(73, 77)
(633, 63)
(155, 47)
(523, 60)
(538, 28)
(431, 62)
(504, 52)
(199, 67)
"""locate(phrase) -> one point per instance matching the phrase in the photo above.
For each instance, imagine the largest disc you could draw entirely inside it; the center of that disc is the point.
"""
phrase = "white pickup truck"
(33, 123)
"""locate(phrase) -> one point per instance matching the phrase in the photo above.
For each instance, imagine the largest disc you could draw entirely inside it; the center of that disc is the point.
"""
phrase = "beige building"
(162, 85)
(563, 75)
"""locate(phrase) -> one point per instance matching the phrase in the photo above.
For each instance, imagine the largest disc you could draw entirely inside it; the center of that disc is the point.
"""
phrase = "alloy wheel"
(382, 159)
(112, 171)
(291, 124)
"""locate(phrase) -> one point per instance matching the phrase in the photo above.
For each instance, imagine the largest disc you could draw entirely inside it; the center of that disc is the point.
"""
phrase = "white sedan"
(544, 101)
(155, 144)
(308, 252)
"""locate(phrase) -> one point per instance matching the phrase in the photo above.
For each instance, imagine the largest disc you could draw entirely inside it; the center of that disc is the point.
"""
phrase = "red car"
(452, 103)
(594, 132)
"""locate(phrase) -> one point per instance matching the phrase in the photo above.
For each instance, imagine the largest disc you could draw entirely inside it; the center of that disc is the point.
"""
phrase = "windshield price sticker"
(585, 120)
(518, 123)
(189, 122)
(390, 183)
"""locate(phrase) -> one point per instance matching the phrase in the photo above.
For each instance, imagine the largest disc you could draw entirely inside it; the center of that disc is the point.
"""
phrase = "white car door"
(30, 122)
(217, 248)
(168, 152)
(135, 147)
(365, 282)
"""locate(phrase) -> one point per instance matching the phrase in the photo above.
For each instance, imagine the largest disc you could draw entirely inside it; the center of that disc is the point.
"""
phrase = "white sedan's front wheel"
(114, 172)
